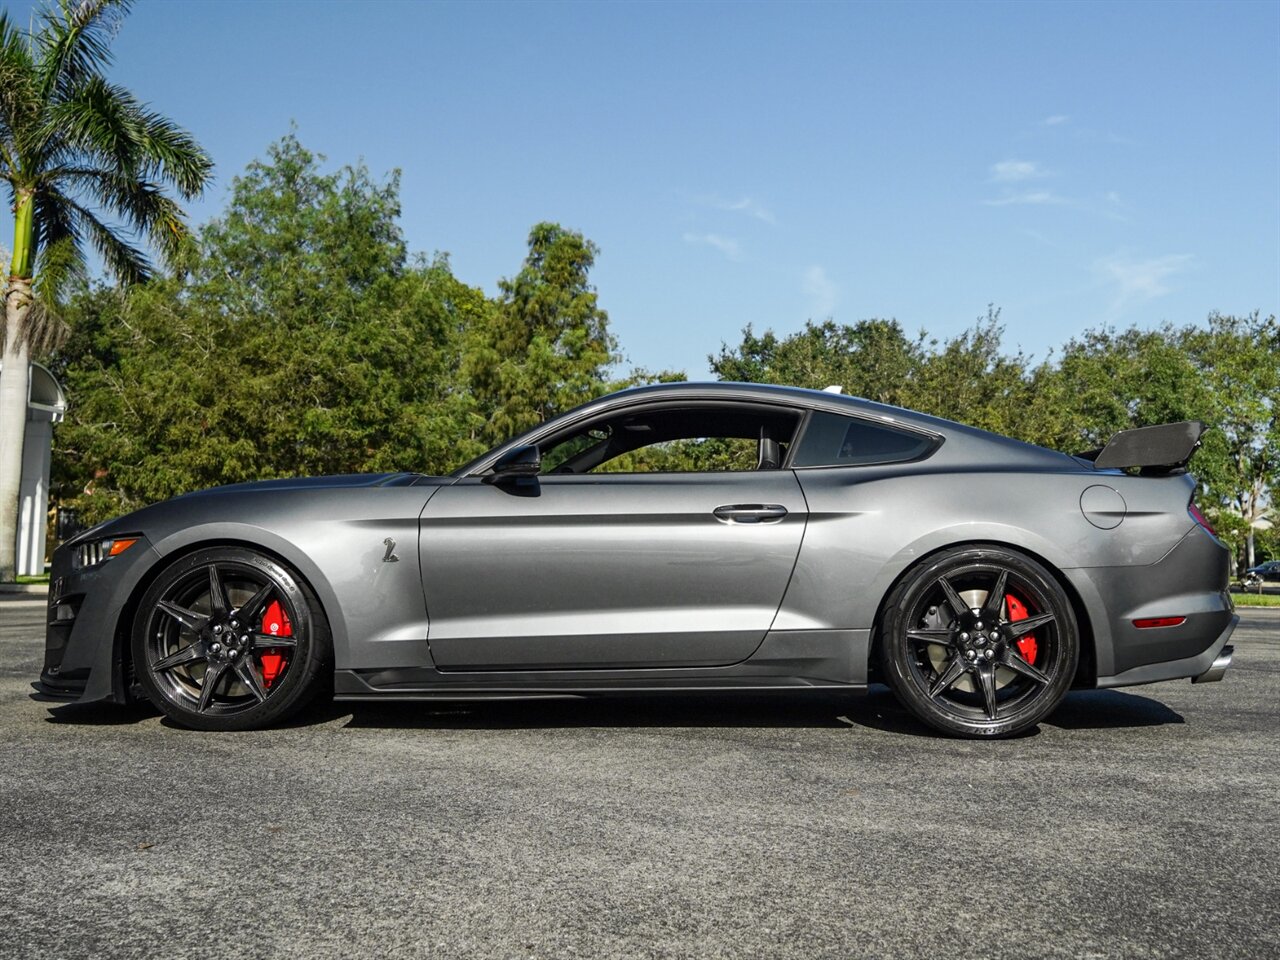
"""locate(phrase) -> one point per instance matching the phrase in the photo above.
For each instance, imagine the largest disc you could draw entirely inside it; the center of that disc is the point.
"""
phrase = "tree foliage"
(305, 340)
(546, 345)
(86, 166)
(966, 378)
(1226, 373)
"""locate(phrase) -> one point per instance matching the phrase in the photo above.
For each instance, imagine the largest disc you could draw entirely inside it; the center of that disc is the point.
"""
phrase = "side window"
(831, 440)
(687, 455)
(561, 451)
(694, 438)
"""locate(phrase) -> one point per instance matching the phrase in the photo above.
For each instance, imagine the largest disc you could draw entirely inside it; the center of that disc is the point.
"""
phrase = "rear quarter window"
(831, 440)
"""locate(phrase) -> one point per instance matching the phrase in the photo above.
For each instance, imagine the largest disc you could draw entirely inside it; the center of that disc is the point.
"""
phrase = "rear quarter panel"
(868, 525)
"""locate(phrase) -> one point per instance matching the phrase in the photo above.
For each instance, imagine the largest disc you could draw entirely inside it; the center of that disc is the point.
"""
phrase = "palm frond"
(126, 262)
(59, 255)
(97, 119)
(19, 105)
(60, 264)
(142, 204)
(44, 328)
(174, 154)
(92, 152)
(106, 122)
(75, 42)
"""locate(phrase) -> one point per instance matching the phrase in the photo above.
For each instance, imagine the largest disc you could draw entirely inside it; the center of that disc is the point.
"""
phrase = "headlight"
(93, 552)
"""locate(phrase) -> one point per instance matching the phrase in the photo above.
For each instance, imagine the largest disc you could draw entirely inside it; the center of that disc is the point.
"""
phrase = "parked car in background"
(1268, 572)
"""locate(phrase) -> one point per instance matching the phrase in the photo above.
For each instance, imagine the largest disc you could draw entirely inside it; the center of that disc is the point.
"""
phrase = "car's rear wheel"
(230, 639)
(979, 642)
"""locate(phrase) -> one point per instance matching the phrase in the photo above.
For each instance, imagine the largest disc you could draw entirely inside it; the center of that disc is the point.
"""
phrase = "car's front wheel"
(228, 638)
(979, 642)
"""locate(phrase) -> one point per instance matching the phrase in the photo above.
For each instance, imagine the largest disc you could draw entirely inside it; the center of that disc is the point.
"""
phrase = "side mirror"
(516, 463)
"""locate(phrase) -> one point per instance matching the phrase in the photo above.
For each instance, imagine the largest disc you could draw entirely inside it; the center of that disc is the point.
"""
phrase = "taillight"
(1148, 622)
(1198, 517)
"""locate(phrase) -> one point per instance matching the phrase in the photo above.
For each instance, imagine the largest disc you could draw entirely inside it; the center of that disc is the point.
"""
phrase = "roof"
(965, 443)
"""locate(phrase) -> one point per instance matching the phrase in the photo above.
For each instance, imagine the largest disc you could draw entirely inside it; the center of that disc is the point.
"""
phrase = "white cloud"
(821, 291)
(1055, 120)
(1139, 280)
(747, 205)
(1014, 171)
(1029, 197)
(726, 245)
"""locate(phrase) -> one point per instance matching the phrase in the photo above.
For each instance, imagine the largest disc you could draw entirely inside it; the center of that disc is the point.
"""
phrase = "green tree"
(971, 380)
(546, 347)
(75, 149)
(1237, 362)
(1226, 374)
(1110, 380)
(966, 378)
(871, 358)
(304, 340)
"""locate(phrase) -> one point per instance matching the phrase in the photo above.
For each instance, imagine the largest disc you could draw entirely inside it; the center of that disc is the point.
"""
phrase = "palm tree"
(76, 152)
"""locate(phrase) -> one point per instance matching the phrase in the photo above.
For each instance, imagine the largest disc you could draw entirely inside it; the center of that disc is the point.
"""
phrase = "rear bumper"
(1205, 667)
(1219, 668)
(1188, 583)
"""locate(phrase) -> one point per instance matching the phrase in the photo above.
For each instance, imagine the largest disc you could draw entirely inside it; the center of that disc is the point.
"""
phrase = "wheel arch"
(1086, 668)
(185, 545)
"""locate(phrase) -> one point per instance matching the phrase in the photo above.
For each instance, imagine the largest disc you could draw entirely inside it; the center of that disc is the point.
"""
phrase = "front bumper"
(52, 685)
(85, 633)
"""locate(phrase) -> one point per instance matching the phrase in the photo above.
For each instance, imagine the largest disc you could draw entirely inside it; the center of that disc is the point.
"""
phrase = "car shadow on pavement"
(876, 709)
(674, 710)
(100, 714)
(1109, 710)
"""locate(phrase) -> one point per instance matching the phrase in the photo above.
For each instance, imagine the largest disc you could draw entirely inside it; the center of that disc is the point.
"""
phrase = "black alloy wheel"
(230, 639)
(979, 642)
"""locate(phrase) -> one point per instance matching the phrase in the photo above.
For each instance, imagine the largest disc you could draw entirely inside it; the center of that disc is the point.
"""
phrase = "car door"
(608, 570)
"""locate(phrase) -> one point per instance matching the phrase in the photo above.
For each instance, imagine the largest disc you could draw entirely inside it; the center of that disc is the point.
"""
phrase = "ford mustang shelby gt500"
(680, 537)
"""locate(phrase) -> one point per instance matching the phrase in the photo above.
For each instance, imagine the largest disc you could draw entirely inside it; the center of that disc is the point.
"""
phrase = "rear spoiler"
(1156, 451)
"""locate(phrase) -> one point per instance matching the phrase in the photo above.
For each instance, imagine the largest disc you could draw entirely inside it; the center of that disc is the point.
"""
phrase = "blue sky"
(1073, 164)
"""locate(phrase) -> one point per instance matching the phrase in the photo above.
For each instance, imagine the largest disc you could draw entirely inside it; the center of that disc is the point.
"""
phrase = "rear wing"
(1156, 451)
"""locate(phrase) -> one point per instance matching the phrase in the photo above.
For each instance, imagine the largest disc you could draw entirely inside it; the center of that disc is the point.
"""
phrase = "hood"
(316, 483)
(204, 502)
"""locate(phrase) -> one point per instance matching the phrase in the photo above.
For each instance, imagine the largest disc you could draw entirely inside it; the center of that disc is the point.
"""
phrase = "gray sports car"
(680, 537)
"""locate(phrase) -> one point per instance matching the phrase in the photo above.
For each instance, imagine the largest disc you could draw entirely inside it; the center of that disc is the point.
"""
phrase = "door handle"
(750, 513)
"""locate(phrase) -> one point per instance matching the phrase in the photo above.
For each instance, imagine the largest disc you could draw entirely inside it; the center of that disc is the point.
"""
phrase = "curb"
(1254, 611)
(23, 590)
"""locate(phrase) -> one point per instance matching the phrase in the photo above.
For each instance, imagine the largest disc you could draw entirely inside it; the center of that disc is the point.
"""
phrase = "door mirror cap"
(516, 463)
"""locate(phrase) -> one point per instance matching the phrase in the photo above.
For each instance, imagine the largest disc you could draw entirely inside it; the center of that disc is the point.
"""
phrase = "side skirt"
(785, 660)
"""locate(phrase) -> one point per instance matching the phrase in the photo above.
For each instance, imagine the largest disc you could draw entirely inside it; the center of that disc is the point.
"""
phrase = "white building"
(46, 405)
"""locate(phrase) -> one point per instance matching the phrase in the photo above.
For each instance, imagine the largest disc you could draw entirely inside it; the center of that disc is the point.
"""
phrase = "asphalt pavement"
(1138, 824)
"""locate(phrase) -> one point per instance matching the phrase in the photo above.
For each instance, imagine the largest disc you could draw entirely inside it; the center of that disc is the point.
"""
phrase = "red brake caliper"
(1018, 611)
(275, 623)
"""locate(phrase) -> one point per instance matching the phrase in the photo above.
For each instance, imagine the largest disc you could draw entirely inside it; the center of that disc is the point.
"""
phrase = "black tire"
(182, 634)
(963, 668)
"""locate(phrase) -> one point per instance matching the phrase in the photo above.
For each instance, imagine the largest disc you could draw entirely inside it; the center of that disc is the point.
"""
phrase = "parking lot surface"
(1140, 823)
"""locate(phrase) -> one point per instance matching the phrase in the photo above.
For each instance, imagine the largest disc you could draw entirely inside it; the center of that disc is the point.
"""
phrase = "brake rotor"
(1009, 610)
